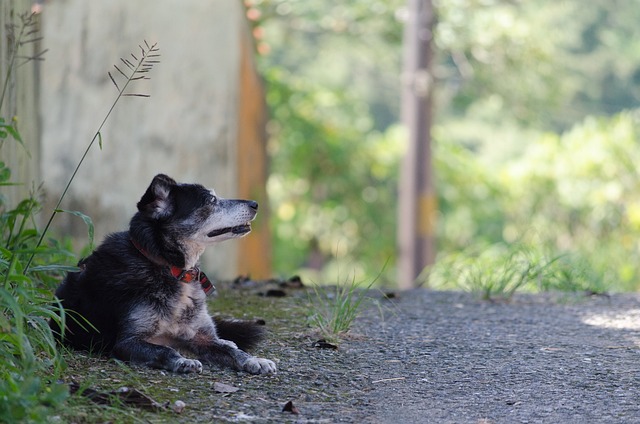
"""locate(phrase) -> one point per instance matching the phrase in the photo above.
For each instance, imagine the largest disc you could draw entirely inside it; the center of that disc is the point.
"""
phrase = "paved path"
(442, 357)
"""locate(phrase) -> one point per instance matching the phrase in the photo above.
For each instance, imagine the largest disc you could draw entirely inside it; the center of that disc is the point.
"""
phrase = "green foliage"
(578, 192)
(334, 151)
(342, 48)
(30, 364)
(572, 195)
(9, 130)
(602, 57)
(342, 197)
(500, 50)
(470, 198)
(544, 63)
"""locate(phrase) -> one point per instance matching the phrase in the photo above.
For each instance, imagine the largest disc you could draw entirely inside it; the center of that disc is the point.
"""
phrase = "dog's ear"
(156, 202)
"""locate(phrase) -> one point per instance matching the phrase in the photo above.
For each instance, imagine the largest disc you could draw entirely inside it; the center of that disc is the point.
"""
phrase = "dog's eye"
(213, 199)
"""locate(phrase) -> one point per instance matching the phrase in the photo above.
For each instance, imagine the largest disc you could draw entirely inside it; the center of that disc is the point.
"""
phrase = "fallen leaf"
(126, 395)
(323, 344)
(294, 282)
(274, 293)
(290, 407)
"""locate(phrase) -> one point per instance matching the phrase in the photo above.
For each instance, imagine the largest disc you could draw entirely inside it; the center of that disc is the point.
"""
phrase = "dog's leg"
(224, 352)
(213, 350)
(152, 355)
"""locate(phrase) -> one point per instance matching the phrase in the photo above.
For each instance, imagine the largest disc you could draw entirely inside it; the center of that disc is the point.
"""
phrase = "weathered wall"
(19, 102)
(187, 129)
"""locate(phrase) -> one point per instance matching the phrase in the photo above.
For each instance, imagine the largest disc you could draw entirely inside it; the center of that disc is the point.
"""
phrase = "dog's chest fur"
(178, 319)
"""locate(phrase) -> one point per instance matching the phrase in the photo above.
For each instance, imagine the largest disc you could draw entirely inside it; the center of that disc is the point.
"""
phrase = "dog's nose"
(253, 205)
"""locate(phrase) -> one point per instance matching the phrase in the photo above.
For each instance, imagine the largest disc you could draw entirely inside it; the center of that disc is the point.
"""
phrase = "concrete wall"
(187, 129)
(19, 102)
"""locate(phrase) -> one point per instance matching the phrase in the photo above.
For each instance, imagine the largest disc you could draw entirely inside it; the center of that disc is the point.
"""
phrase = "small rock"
(178, 406)
(224, 388)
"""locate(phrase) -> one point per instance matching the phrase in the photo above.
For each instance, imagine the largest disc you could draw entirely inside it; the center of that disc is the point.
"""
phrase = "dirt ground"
(422, 357)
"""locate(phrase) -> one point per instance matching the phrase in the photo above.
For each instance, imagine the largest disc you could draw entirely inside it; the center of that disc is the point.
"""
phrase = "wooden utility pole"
(418, 204)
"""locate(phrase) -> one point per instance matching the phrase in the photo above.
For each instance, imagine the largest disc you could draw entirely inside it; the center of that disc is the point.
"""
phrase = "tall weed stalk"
(135, 70)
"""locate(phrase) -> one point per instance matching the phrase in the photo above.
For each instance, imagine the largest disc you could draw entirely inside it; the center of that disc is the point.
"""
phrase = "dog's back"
(111, 281)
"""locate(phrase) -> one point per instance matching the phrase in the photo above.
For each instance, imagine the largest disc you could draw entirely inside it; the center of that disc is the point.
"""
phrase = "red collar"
(188, 275)
(184, 275)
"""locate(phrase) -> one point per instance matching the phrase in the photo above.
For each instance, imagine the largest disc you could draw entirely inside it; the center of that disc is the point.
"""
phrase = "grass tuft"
(497, 272)
(334, 309)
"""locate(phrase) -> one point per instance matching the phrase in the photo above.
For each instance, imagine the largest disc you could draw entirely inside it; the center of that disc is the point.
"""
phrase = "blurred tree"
(340, 47)
(604, 54)
(501, 51)
(579, 193)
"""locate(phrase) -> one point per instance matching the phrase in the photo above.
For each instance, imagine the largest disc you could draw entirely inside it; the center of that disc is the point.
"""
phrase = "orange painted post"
(254, 251)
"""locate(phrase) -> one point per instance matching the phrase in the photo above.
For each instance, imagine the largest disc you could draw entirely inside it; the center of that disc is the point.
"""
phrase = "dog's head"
(196, 213)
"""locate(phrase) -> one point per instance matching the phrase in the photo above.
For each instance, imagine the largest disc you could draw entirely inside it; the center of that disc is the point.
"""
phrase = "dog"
(140, 296)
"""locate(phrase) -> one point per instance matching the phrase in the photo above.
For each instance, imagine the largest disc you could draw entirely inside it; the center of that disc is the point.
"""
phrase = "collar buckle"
(194, 274)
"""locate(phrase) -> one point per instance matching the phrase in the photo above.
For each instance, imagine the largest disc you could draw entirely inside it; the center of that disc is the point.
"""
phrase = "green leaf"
(19, 278)
(87, 220)
(14, 133)
(6, 130)
(100, 140)
(5, 173)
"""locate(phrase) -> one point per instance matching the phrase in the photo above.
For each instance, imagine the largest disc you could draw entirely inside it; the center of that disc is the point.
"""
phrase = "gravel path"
(443, 357)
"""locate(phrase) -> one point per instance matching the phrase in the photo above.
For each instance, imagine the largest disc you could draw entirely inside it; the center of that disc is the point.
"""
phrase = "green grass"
(335, 308)
(497, 272)
(30, 364)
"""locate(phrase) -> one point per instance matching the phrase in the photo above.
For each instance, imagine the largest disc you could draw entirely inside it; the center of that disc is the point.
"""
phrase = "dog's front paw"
(186, 366)
(259, 366)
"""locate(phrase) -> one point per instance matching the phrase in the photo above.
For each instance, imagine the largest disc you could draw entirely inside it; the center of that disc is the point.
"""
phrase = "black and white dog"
(140, 296)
